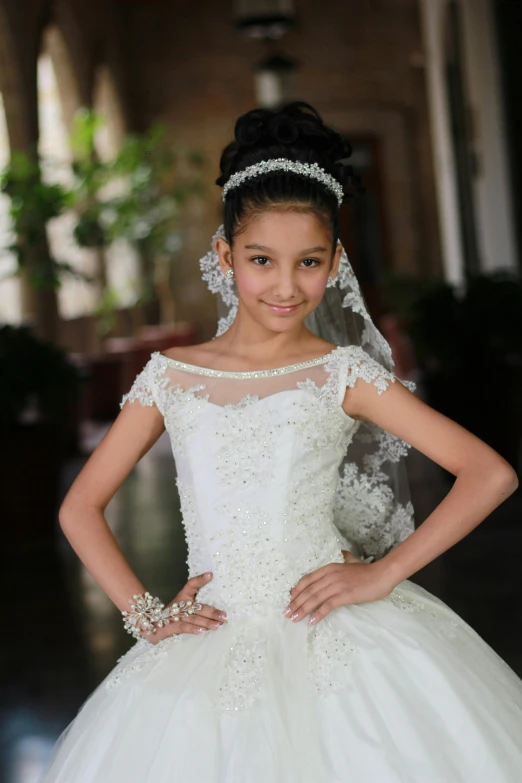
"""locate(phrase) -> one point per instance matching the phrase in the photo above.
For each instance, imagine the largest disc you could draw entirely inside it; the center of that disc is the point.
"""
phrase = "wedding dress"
(399, 690)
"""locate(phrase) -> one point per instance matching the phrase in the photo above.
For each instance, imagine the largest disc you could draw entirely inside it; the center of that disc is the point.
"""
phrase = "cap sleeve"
(357, 363)
(362, 365)
(143, 388)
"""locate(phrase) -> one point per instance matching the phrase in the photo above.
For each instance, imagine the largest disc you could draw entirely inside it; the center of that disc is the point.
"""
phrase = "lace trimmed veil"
(373, 510)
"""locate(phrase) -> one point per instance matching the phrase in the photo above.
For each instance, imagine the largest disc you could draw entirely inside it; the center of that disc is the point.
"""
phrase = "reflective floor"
(61, 635)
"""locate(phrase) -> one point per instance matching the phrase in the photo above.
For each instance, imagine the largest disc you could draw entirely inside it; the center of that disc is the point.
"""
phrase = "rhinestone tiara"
(312, 170)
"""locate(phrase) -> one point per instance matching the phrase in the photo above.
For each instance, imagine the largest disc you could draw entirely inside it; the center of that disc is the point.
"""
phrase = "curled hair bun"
(295, 130)
(263, 127)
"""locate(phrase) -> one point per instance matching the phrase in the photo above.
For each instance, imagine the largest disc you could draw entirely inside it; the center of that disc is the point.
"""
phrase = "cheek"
(251, 286)
(315, 287)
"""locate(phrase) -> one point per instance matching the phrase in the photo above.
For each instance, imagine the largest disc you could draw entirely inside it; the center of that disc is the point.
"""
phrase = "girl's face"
(281, 264)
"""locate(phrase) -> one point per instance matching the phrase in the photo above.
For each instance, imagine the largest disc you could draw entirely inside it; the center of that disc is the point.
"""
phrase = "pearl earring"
(229, 273)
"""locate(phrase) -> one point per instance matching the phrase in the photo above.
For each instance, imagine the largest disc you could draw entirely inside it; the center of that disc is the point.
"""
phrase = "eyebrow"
(316, 249)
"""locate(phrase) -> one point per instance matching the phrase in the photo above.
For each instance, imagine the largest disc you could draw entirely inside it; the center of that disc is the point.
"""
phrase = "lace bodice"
(257, 457)
(265, 477)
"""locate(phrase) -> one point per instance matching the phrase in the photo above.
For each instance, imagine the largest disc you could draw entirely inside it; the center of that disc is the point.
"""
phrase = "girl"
(299, 651)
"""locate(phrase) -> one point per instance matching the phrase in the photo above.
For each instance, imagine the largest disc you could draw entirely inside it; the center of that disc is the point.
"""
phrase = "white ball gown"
(399, 690)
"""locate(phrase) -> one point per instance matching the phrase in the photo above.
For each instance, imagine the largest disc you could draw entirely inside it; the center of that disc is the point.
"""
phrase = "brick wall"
(360, 65)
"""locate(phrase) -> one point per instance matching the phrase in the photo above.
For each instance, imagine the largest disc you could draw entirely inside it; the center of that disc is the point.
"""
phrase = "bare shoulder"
(214, 352)
(198, 354)
(323, 346)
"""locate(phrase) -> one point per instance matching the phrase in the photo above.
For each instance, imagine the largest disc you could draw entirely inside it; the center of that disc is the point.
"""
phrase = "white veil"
(373, 510)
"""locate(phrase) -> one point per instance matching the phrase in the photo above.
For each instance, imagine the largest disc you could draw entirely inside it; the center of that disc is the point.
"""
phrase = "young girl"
(298, 651)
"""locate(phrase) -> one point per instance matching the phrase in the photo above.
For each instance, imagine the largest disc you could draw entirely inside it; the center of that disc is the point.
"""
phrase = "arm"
(81, 514)
(483, 481)
(483, 478)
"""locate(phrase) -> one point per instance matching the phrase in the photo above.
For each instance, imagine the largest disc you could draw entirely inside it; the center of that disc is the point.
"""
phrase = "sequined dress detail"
(372, 692)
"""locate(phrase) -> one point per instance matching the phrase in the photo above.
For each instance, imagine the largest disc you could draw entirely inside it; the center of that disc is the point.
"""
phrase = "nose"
(285, 288)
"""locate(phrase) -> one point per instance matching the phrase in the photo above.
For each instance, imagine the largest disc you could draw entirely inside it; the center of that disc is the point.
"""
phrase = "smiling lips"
(281, 310)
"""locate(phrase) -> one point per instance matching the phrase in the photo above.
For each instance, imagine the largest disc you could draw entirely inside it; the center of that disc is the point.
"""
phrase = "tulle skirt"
(400, 690)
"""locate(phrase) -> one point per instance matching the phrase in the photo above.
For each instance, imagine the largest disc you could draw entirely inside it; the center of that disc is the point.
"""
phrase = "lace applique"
(249, 399)
(246, 456)
(249, 562)
(152, 387)
(367, 510)
(244, 671)
(330, 658)
(182, 411)
(446, 622)
(254, 570)
(330, 654)
(371, 371)
(139, 659)
(352, 362)
(322, 426)
(389, 449)
(143, 387)
(193, 536)
(365, 507)
(309, 519)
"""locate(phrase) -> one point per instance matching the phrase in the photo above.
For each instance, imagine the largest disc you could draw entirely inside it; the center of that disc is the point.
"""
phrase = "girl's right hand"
(349, 557)
(207, 617)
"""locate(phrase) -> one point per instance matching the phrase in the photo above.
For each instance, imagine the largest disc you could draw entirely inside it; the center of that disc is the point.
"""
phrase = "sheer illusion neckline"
(194, 368)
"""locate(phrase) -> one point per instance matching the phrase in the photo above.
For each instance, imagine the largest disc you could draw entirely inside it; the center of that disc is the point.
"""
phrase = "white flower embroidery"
(139, 655)
(330, 657)
(443, 620)
(270, 521)
(367, 511)
(243, 677)
(246, 434)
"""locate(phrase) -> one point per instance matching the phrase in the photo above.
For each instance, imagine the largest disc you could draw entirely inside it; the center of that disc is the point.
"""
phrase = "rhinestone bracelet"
(148, 614)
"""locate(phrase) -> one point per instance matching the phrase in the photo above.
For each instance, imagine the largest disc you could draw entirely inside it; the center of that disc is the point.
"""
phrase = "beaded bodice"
(257, 457)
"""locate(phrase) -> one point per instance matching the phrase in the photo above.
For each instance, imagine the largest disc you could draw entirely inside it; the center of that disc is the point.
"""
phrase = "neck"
(246, 338)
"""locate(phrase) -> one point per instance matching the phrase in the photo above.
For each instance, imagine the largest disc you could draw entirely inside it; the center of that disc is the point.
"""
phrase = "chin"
(283, 323)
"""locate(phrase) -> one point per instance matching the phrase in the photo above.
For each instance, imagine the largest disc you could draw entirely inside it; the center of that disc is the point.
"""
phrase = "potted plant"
(38, 389)
(157, 182)
(33, 203)
(137, 196)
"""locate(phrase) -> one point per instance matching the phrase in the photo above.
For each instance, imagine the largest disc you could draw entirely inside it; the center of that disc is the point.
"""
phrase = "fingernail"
(294, 616)
(209, 573)
(287, 611)
(312, 619)
(200, 630)
(224, 616)
(217, 625)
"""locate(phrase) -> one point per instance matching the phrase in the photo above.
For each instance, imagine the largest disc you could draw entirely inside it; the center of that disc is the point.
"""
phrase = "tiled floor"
(63, 635)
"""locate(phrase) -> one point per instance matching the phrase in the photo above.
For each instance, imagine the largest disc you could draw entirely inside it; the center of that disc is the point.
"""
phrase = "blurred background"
(113, 115)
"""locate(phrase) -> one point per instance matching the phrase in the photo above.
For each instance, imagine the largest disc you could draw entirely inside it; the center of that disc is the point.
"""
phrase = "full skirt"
(399, 690)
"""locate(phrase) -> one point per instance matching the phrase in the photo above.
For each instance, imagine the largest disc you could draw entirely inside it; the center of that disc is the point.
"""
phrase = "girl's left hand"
(337, 584)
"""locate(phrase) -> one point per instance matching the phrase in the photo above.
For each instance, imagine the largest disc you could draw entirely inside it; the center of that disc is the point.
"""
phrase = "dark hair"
(295, 131)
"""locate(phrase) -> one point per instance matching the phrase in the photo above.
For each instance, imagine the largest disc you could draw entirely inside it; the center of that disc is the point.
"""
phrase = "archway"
(10, 296)
(58, 99)
(122, 257)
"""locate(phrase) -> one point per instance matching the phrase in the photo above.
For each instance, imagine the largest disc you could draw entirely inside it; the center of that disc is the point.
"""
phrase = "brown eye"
(262, 258)
(315, 262)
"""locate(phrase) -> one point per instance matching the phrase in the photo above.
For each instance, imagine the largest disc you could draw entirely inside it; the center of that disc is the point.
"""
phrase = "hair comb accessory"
(312, 170)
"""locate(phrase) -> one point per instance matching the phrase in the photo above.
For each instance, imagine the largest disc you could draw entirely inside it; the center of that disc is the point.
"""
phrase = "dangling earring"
(229, 273)
(331, 281)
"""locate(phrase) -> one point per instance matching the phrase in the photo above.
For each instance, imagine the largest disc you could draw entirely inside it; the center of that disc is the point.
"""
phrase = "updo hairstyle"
(295, 131)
